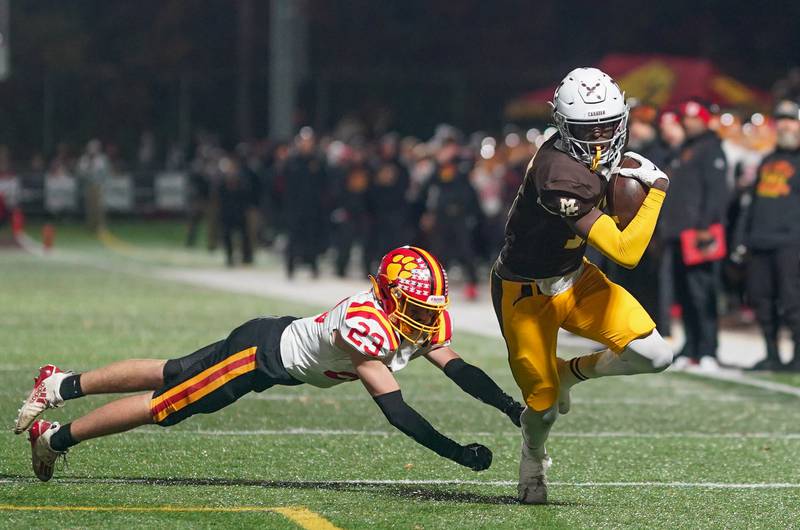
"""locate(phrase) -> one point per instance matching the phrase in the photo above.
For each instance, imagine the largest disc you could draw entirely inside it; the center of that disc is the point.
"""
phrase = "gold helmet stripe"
(437, 275)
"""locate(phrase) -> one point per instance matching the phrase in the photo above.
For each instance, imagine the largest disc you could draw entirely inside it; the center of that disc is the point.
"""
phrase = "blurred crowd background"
(342, 198)
(151, 109)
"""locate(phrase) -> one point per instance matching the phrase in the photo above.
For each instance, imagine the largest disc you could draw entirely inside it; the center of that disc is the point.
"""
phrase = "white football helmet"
(591, 115)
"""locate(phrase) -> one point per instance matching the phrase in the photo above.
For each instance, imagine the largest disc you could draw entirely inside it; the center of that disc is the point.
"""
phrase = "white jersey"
(309, 355)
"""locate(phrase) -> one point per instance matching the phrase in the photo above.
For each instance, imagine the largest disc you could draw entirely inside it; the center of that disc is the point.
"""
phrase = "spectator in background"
(306, 219)
(771, 233)
(697, 200)
(672, 133)
(235, 196)
(273, 191)
(451, 213)
(672, 136)
(60, 187)
(251, 169)
(349, 218)
(386, 201)
(5, 175)
(94, 169)
(146, 155)
(199, 191)
(643, 282)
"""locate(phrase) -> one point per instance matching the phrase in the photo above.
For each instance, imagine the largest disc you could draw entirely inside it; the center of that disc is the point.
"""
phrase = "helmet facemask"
(414, 320)
(580, 141)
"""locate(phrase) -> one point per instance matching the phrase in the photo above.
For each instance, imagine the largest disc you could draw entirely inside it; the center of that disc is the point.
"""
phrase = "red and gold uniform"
(542, 282)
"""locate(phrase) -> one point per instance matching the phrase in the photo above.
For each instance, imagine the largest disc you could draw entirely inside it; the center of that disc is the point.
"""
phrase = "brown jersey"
(538, 241)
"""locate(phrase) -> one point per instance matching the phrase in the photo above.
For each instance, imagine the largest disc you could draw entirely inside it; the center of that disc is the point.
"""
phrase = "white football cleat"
(43, 457)
(532, 487)
(45, 395)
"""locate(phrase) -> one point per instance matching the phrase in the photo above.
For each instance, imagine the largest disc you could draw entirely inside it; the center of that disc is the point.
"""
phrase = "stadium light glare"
(512, 140)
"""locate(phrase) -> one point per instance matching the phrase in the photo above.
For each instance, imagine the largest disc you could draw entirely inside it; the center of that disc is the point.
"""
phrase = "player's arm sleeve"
(479, 385)
(626, 247)
(412, 424)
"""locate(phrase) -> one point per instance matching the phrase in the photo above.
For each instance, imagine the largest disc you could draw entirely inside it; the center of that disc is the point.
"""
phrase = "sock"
(536, 428)
(599, 364)
(571, 372)
(71, 387)
(62, 439)
(648, 354)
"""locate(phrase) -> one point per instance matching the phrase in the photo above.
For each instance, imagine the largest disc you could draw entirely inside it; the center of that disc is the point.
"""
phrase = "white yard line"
(301, 431)
(436, 482)
(735, 376)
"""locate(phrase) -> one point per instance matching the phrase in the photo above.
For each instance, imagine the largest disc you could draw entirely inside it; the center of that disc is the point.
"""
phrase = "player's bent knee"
(542, 399)
(543, 418)
(651, 353)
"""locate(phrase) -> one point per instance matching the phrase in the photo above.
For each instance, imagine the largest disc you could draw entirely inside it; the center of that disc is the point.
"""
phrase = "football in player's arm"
(367, 336)
(626, 247)
(542, 282)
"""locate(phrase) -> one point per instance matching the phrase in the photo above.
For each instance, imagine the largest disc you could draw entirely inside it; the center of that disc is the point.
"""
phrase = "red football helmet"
(411, 286)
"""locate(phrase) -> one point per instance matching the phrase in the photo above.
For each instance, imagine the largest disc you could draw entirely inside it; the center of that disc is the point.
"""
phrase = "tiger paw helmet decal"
(401, 267)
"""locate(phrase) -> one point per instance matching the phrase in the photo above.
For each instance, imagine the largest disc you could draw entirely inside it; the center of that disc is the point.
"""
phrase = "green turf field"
(664, 451)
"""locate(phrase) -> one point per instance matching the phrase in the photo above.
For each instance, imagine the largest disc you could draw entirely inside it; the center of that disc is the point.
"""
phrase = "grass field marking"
(30, 245)
(300, 515)
(709, 485)
(305, 518)
(387, 482)
(735, 376)
(114, 243)
(353, 432)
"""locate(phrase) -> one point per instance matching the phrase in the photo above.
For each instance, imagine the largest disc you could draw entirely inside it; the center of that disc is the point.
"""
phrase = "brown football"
(624, 195)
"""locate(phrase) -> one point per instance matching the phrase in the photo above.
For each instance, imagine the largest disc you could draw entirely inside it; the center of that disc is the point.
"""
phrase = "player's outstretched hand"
(514, 411)
(475, 456)
(647, 173)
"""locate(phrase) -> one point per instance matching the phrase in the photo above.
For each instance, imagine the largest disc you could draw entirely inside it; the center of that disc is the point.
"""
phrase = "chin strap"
(596, 158)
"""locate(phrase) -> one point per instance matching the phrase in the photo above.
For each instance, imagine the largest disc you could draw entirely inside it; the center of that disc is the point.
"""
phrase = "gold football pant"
(594, 307)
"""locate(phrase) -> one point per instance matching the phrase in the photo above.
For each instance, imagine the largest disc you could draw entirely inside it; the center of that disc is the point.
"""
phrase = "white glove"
(647, 173)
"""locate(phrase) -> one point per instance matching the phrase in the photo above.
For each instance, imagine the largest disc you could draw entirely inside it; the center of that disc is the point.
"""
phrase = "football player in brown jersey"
(542, 282)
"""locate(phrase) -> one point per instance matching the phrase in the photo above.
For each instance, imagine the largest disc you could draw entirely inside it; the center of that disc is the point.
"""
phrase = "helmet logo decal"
(590, 92)
(401, 267)
(589, 89)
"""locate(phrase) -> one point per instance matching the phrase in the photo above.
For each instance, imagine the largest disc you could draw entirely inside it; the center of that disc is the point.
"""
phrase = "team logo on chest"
(569, 207)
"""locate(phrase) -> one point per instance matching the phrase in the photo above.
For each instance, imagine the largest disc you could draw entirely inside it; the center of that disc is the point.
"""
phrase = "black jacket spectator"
(773, 218)
(698, 193)
(304, 208)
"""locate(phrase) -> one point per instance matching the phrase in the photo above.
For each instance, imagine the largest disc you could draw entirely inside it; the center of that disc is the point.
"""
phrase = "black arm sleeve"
(409, 421)
(477, 384)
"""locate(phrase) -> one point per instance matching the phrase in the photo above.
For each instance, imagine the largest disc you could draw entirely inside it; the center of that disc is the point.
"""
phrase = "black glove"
(513, 411)
(475, 456)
